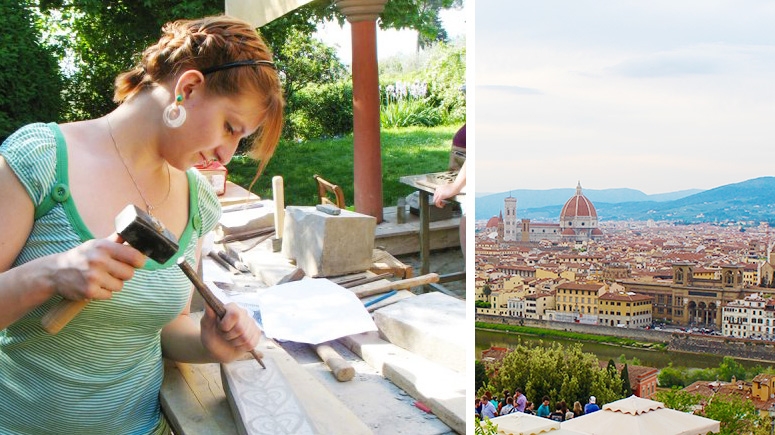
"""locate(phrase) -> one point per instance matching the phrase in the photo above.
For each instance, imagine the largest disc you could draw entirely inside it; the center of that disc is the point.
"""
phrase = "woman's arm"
(449, 190)
(91, 271)
(211, 339)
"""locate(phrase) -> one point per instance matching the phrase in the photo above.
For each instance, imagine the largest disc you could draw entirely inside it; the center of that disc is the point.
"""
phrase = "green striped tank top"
(102, 373)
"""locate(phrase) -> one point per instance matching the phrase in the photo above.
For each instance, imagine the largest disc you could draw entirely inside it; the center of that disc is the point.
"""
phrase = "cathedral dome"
(493, 222)
(578, 206)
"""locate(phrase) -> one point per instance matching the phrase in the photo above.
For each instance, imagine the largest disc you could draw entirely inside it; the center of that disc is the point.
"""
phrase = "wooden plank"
(193, 400)
(383, 261)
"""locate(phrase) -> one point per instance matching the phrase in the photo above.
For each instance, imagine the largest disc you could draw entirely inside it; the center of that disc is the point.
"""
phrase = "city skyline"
(655, 96)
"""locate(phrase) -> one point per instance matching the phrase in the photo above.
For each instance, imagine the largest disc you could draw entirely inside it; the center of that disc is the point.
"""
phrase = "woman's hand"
(443, 192)
(95, 269)
(230, 337)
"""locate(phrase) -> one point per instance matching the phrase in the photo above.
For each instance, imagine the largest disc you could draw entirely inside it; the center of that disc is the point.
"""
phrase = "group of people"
(490, 407)
(487, 406)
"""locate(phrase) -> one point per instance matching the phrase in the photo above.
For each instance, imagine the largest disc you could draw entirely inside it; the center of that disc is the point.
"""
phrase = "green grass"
(540, 332)
(405, 151)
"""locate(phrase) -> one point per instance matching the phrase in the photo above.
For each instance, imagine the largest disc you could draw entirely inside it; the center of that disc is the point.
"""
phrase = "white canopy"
(260, 12)
(636, 416)
(518, 423)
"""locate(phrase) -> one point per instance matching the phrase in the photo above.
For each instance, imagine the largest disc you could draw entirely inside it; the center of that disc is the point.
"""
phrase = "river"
(605, 352)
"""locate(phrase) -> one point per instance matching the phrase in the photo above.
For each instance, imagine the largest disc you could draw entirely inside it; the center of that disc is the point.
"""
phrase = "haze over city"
(656, 96)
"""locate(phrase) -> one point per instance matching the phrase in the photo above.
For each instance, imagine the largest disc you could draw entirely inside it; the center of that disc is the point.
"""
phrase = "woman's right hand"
(95, 269)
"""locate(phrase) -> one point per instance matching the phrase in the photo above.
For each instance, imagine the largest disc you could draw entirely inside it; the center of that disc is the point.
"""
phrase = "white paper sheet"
(309, 311)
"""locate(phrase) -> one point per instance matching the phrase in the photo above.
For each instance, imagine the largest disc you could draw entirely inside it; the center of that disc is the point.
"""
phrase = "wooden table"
(426, 185)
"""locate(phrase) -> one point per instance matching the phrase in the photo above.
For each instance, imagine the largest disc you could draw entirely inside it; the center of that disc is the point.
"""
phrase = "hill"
(751, 200)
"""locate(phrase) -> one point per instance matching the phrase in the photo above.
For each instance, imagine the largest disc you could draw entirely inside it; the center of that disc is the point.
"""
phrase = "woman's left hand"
(230, 337)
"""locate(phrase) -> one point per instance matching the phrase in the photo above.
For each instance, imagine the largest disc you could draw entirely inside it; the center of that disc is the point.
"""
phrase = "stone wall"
(683, 342)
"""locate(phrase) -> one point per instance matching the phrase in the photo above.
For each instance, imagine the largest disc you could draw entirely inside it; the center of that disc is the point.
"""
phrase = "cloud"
(667, 65)
(508, 89)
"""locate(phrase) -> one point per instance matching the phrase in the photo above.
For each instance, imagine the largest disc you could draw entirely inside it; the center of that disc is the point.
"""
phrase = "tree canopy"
(559, 372)
(94, 40)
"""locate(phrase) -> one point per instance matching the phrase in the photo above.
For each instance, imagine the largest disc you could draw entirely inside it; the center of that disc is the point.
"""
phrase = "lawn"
(405, 151)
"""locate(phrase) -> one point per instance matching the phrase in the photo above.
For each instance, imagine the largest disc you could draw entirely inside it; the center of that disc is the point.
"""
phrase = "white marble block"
(327, 245)
(432, 325)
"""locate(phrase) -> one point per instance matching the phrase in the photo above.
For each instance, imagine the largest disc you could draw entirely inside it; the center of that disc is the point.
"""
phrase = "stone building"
(690, 301)
(578, 219)
(751, 317)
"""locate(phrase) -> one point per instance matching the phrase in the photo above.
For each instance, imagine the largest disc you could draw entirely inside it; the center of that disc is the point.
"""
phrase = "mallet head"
(141, 231)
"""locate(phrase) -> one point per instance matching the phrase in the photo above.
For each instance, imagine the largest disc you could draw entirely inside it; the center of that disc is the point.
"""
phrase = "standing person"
(543, 410)
(449, 190)
(457, 154)
(195, 93)
(520, 401)
(488, 409)
(591, 406)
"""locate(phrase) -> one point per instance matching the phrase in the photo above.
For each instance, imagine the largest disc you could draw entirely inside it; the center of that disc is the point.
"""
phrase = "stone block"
(440, 389)
(432, 325)
(326, 245)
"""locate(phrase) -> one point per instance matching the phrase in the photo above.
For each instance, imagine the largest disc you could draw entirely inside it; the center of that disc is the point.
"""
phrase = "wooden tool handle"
(343, 371)
(397, 285)
(61, 314)
(211, 300)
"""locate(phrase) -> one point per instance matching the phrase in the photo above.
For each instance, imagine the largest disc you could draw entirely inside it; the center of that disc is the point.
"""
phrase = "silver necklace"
(148, 206)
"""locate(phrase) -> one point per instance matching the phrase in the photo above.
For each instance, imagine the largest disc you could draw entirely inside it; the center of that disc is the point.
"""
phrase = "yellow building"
(578, 298)
(627, 310)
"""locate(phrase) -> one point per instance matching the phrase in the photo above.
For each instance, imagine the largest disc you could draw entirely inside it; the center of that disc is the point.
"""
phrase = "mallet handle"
(61, 314)
(210, 299)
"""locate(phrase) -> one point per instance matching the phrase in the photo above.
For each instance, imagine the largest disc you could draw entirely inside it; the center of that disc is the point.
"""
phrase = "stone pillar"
(367, 149)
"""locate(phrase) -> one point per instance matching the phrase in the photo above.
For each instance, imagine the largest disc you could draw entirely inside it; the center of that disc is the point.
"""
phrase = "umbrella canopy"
(635, 415)
(259, 13)
(518, 423)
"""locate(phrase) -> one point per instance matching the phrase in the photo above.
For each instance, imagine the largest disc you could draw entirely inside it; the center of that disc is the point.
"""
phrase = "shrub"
(320, 111)
(29, 74)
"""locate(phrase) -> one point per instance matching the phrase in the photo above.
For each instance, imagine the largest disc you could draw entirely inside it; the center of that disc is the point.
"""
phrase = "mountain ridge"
(749, 200)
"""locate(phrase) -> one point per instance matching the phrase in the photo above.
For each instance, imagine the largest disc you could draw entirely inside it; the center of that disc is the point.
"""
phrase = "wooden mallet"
(148, 236)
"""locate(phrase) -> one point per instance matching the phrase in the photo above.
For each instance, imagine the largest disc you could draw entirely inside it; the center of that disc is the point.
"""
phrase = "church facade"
(578, 223)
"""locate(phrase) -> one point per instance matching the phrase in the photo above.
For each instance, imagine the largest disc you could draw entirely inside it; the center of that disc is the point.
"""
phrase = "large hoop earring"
(175, 114)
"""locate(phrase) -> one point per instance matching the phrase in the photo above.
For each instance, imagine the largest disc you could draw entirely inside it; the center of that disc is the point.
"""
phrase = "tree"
(562, 373)
(480, 375)
(678, 399)
(626, 387)
(487, 291)
(672, 377)
(737, 415)
(29, 74)
(729, 368)
(104, 36)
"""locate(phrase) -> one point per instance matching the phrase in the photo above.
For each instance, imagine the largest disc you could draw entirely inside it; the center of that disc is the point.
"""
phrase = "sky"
(391, 42)
(654, 95)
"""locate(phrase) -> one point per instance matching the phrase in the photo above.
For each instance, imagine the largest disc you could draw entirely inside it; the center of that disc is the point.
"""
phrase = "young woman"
(201, 88)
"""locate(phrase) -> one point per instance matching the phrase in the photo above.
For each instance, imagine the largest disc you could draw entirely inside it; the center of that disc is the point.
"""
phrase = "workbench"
(426, 185)
(196, 398)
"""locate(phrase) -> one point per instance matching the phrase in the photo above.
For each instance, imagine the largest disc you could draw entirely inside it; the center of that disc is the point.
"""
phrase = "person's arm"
(449, 190)
(91, 271)
(210, 340)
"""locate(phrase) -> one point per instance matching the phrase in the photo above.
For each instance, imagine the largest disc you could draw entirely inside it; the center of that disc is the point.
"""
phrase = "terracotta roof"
(493, 222)
(578, 206)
